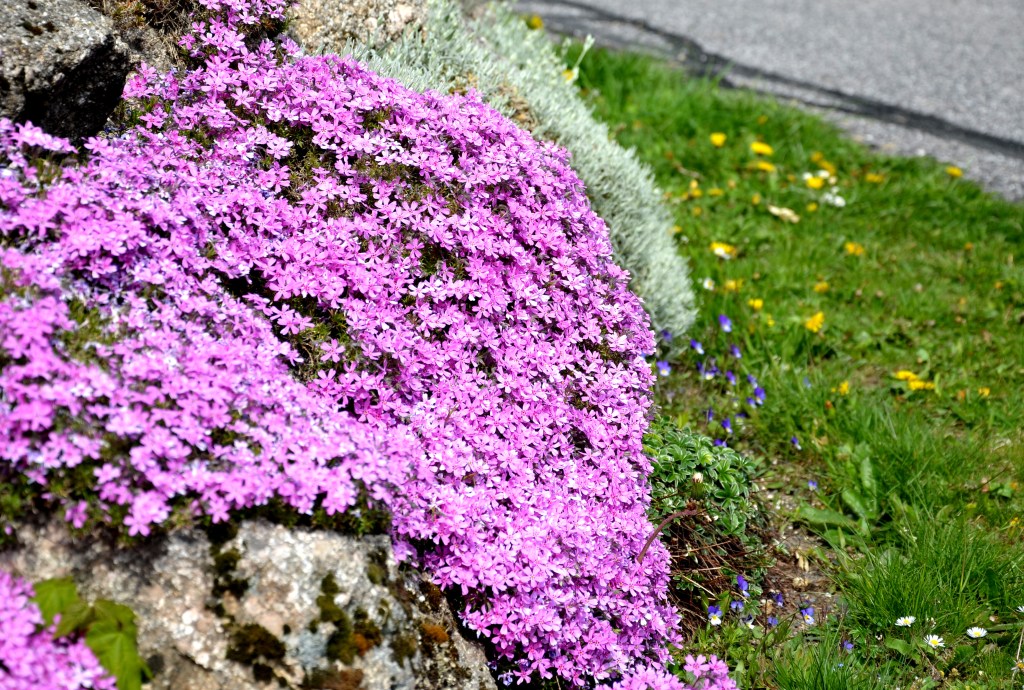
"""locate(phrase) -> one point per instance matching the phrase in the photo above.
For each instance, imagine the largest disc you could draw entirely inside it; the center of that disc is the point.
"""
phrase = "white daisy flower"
(708, 284)
(934, 641)
(976, 632)
(905, 621)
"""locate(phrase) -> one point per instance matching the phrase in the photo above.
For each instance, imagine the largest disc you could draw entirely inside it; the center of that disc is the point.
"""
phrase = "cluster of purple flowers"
(703, 673)
(197, 318)
(30, 659)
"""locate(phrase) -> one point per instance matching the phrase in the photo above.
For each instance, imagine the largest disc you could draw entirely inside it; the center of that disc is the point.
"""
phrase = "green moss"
(344, 679)
(403, 647)
(377, 567)
(330, 612)
(254, 646)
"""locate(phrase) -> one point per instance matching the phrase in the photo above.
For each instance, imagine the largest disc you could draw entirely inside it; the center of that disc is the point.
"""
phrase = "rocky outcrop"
(267, 604)
(62, 65)
(318, 24)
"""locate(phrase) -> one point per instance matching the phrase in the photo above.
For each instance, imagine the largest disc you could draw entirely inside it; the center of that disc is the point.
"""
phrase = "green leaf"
(902, 647)
(825, 517)
(55, 596)
(112, 638)
(858, 505)
(77, 617)
(867, 477)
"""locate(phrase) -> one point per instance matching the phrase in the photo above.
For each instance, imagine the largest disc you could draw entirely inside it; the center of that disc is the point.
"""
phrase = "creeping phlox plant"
(293, 279)
(30, 658)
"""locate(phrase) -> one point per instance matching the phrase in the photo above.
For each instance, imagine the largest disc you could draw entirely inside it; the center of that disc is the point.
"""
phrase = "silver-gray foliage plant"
(518, 71)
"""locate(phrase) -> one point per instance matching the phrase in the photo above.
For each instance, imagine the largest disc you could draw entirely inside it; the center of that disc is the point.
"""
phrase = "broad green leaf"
(78, 616)
(112, 638)
(867, 477)
(55, 596)
(859, 505)
(826, 517)
(901, 646)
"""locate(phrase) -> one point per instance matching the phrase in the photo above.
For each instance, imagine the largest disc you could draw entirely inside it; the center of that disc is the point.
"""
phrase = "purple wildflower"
(725, 323)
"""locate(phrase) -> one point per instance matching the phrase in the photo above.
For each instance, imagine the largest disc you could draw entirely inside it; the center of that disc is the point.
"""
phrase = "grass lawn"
(876, 304)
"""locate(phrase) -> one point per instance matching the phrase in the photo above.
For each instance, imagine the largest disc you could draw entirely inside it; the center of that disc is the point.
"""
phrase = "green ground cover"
(879, 303)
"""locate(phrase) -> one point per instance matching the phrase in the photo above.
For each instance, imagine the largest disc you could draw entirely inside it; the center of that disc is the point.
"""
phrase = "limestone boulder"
(263, 606)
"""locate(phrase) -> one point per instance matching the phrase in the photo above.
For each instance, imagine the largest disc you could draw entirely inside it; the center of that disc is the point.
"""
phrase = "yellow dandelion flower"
(826, 166)
(718, 139)
(812, 207)
(821, 287)
(716, 191)
(854, 248)
(874, 178)
(756, 199)
(843, 388)
(676, 229)
(904, 375)
(954, 171)
(815, 182)
(761, 149)
(732, 285)
(815, 323)
(769, 320)
(755, 303)
(723, 250)
(535, 22)
(764, 166)
(696, 193)
(919, 385)
(696, 211)
(984, 391)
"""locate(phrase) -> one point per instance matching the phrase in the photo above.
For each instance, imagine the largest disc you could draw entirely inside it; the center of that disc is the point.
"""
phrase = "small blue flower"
(811, 484)
(796, 443)
(714, 615)
(664, 368)
(773, 621)
(736, 605)
(727, 425)
(735, 352)
(748, 621)
(720, 442)
(777, 598)
(808, 614)
(807, 382)
(759, 394)
(751, 380)
(847, 645)
(751, 402)
(731, 378)
(666, 335)
(710, 415)
(725, 323)
(697, 347)
(743, 585)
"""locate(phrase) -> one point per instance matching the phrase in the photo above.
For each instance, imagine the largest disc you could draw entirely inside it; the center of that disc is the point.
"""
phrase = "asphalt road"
(917, 77)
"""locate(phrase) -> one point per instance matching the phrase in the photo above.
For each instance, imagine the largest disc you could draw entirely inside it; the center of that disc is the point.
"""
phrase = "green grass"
(920, 485)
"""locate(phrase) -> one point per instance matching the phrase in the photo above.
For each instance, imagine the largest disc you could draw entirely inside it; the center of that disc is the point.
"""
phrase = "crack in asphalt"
(696, 60)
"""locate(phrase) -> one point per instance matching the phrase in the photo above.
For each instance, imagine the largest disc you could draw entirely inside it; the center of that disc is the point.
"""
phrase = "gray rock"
(320, 24)
(300, 608)
(62, 65)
